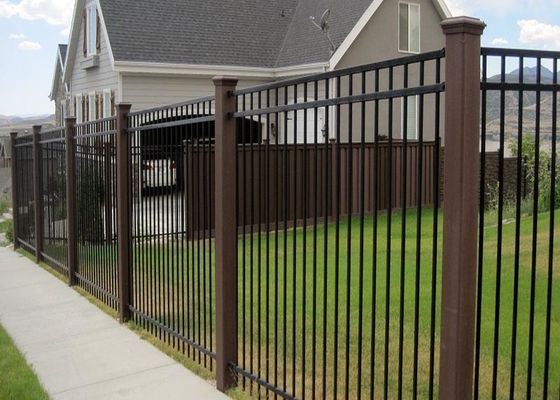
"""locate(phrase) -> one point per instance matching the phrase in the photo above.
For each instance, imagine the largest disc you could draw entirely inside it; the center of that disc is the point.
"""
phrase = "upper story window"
(91, 31)
(409, 27)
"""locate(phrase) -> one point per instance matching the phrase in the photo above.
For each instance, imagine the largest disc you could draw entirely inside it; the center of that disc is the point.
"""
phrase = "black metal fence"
(24, 207)
(173, 271)
(344, 305)
(53, 199)
(518, 324)
(290, 237)
(95, 169)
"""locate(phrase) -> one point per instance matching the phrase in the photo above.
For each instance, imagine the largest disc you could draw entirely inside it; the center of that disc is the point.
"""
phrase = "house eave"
(142, 68)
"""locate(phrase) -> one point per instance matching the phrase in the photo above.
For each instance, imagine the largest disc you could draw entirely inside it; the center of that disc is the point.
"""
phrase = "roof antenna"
(323, 25)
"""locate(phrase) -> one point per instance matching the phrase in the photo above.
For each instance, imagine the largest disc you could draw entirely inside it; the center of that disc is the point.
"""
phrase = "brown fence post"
(226, 233)
(461, 201)
(13, 166)
(124, 223)
(71, 206)
(38, 191)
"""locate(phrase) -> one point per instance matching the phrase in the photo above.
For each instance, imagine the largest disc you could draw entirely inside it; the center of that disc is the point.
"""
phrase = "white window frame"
(91, 29)
(416, 122)
(79, 109)
(408, 51)
(107, 111)
(92, 106)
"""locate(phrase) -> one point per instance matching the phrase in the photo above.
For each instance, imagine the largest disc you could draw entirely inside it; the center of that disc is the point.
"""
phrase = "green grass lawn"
(17, 380)
(277, 319)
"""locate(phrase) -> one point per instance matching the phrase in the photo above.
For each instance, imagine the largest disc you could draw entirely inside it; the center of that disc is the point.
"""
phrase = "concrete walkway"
(77, 351)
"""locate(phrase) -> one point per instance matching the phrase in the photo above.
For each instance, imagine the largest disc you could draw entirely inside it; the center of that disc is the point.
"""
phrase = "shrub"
(544, 190)
(90, 197)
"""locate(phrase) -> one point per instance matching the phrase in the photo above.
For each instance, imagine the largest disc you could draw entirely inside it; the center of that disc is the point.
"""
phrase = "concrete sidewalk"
(77, 351)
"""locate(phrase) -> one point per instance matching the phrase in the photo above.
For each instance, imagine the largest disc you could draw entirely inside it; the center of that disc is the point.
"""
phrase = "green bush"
(4, 204)
(543, 173)
(7, 228)
(90, 197)
(9, 231)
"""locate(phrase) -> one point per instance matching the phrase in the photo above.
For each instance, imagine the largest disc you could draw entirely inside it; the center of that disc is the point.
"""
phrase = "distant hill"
(511, 101)
(21, 124)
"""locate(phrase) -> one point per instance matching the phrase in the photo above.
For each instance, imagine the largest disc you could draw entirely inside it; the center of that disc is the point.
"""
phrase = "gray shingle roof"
(259, 33)
(62, 48)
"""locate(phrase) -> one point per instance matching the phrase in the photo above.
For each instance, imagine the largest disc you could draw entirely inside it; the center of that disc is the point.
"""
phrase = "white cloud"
(16, 36)
(27, 45)
(457, 7)
(54, 12)
(476, 7)
(499, 42)
(539, 33)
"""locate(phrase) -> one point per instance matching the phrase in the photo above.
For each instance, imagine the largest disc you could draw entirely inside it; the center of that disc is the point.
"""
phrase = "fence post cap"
(36, 129)
(225, 80)
(469, 25)
(13, 135)
(71, 120)
(124, 107)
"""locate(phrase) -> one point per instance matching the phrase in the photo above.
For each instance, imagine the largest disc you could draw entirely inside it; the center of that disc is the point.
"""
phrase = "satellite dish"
(324, 23)
(324, 26)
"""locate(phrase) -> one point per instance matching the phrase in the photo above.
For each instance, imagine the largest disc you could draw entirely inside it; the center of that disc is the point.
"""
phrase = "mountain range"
(529, 106)
(10, 123)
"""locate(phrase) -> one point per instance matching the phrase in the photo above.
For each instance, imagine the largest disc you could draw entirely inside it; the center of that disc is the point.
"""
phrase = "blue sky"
(31, 29)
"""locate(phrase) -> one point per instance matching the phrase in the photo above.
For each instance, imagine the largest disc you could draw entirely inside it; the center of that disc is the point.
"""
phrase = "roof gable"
(59, 66)
(248, 33)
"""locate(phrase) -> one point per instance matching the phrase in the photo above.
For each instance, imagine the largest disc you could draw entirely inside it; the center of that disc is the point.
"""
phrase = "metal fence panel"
(172, 270)
(97, 271)
(517, 336)
(339, 226)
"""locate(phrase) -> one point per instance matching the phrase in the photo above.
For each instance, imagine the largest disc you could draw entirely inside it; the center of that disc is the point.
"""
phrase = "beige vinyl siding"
(95, 79)
(146, 91)
(379, 41)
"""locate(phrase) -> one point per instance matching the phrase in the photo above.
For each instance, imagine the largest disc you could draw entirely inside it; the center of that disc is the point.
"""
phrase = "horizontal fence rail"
(517, 353)
(172, 272)
(338, 202)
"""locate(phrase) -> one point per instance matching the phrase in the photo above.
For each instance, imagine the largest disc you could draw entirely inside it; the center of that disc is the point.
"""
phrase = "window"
(62, 114)
(91, 110)
(409, 27)
(411, 118)
(90, 31)
(107, 109)
(79, 109)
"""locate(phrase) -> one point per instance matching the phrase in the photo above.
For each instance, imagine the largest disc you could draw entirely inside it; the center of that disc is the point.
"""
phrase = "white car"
(158, 173)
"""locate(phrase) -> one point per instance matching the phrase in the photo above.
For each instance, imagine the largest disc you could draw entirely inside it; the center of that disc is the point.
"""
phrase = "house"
(156, 52)
(59, 89)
